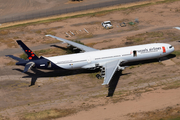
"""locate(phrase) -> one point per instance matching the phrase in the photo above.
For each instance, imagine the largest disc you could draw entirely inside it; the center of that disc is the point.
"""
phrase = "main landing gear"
(102, 74)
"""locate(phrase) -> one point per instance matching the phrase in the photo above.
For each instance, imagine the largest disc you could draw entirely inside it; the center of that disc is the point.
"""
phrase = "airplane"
(108, 61)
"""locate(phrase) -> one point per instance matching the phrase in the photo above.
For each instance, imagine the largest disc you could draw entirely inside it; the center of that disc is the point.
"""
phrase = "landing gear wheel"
(98, 76)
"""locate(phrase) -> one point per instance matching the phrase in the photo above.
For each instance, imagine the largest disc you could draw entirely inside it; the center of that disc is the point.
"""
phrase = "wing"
(77, 45)
(110, 68)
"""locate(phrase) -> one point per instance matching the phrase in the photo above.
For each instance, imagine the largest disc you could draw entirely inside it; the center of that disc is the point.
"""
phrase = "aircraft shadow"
(59, 47)
(113, 83)
(52, 73)
(57, 73)
(70, 49)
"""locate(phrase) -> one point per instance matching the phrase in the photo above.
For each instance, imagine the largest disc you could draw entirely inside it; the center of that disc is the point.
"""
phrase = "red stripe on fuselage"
(164, 49)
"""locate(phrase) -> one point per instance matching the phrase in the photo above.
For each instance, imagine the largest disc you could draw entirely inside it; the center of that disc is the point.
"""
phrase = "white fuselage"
(89, 60)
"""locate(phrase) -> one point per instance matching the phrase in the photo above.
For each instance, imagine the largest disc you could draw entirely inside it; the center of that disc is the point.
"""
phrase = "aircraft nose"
(171, 48)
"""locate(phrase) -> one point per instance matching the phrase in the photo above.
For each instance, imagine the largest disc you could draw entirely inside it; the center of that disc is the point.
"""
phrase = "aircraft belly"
(72, 65)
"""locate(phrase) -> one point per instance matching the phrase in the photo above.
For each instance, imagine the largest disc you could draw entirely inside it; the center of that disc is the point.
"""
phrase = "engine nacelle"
(120, 68)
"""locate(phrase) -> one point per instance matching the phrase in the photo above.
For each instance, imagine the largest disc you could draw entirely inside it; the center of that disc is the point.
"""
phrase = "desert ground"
(146, 90)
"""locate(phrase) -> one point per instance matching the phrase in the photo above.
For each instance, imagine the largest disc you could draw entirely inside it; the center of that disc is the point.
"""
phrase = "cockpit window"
(170, 46)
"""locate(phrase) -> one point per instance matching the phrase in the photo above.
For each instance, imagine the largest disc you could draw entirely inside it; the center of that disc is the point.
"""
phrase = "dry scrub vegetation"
(48, 114)
(151, 37)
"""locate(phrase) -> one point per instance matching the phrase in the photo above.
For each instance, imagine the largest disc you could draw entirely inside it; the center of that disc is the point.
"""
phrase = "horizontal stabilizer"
(15, 58)
(28, 66)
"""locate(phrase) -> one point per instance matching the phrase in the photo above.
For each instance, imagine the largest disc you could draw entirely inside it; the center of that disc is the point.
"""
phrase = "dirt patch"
(172, 112)
(168, 62)
(136, 104)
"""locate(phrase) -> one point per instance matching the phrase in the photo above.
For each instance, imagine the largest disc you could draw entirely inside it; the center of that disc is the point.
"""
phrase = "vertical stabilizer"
(30, 54)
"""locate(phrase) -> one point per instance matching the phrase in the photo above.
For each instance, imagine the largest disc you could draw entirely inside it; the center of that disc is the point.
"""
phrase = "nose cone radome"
(170, 49)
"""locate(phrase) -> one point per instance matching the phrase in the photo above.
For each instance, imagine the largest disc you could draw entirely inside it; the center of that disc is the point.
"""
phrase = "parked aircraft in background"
(108, 61)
